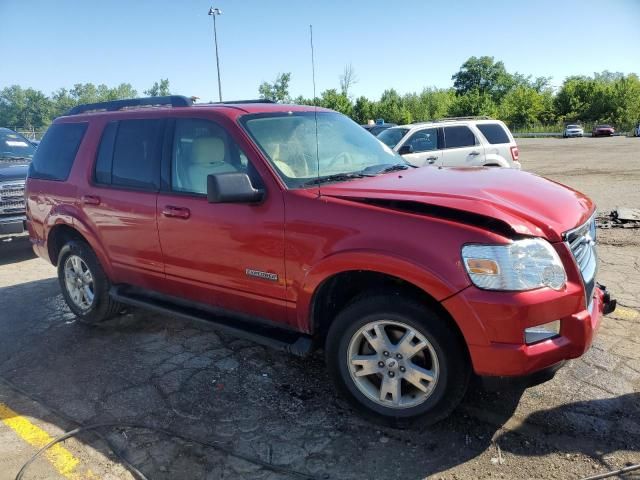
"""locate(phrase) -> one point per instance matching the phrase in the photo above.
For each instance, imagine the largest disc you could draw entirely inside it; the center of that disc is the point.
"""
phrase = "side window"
(201, 148)
(424, 140)
(130, 153)
(494, 133)
(458, 136)
(55, 154)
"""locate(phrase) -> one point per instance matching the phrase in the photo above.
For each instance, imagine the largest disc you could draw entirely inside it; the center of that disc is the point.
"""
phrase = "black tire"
(103, 307)
(453, 359)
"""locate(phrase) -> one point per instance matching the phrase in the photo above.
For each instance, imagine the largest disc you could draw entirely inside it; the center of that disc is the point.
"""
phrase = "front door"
(461, 147)
(425, 148)
(227, 255)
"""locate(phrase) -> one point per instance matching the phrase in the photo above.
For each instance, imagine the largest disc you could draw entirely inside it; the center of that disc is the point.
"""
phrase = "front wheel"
(397, 361)
(85, 286)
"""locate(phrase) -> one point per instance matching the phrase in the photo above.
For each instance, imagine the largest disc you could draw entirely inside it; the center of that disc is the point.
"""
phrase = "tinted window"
(495, 133)
(424, 140)
(105, 154)
(391, 136)
(55, 154)
(458, 136)
(136, 154)
(203, 148)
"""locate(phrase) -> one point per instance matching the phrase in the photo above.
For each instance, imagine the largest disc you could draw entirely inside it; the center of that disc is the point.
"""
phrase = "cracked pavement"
(252, 402)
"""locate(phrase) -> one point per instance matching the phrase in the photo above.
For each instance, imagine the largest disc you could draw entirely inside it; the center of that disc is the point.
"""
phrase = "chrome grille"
(12, 198)
(582, 243)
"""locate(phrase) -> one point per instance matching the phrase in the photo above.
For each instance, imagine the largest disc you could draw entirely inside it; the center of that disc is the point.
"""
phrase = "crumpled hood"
(13, 171)
(529, 204)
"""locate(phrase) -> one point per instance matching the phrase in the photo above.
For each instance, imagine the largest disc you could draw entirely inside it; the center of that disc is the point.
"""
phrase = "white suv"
(454, 142)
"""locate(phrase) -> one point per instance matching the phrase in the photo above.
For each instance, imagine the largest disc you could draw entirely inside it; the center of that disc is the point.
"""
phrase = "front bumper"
(504, 316)
(13, 226)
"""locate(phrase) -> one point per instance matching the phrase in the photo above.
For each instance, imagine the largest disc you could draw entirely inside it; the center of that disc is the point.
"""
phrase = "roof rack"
(114, 105)
(226, 102)
(478, 117)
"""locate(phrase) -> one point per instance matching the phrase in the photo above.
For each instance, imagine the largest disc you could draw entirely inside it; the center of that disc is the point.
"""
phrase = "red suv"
(295, 227)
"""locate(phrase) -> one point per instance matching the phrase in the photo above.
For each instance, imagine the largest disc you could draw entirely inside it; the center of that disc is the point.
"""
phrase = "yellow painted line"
(626, 313)
(61, 458)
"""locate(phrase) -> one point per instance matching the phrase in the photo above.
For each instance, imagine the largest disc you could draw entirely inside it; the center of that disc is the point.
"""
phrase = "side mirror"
(232, 188)
(405, 149)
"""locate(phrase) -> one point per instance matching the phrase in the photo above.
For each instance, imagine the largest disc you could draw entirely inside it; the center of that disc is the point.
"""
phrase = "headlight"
(521, 265)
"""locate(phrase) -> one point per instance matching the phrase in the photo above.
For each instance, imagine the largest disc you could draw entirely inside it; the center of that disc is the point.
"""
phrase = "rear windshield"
(391, 136)
(573, 126)
(55, 154)
(494, 133)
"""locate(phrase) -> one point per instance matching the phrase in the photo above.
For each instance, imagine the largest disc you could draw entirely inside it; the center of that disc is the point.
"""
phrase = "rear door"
(426, 148)
(461, 147)
(121, 203)
(227, 255)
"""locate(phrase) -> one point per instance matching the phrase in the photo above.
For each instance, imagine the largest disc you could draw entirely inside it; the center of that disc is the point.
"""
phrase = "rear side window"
(494, 133)
(130, 154)
(55, 154)
(458, 136)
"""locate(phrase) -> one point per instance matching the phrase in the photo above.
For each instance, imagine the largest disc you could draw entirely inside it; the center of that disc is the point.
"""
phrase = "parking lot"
(268, 415)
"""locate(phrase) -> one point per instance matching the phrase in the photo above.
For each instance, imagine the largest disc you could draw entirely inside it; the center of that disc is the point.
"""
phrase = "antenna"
(315, 106)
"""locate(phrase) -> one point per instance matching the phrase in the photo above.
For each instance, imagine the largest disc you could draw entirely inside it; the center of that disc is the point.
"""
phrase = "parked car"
(602, 131)
(454, 143)
(294, 227)
(376, 128)
(573, 131)
(15, 154)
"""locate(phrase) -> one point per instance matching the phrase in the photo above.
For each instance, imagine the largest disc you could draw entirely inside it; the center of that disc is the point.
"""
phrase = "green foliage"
(482, 77)
(336, 101)
(159, 89)
(26, 108)
(278, 91)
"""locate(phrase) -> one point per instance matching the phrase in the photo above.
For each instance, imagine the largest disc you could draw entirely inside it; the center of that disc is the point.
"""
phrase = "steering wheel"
(345, 157)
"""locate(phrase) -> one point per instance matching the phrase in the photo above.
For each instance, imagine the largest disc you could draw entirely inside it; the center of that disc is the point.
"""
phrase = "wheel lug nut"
(402, 369)
(398, 356)
(391, 374)
(385, 353)
(381, 364)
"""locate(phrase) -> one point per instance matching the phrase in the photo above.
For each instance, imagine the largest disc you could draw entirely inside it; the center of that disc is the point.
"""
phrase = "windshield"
(391, 136)
(343, 149)
(14, 145)
(603, 126)
(573, 126)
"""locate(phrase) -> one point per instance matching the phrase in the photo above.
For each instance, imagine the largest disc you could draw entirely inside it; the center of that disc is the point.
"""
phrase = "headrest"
(206, 150)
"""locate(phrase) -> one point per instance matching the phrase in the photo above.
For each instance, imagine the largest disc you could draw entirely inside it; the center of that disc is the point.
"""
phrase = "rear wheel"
(397, 361)
(85, 287)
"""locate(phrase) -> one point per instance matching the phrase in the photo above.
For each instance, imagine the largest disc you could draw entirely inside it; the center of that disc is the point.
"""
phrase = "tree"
(336, 101)
(278, 91)
(521, 107)
(363, 110)
(24, 108)
(484, 76)
(159, 89)
(347, 79)
(473, 103)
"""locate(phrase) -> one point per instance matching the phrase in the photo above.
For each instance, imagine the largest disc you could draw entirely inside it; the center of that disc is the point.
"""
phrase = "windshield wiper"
(338, 177)
(385, 168)
(11, 157)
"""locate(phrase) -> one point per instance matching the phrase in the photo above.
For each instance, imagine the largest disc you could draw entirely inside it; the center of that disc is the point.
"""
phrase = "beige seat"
(207, 158)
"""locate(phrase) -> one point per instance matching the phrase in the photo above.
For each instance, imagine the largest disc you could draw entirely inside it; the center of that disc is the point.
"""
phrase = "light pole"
(215, 12)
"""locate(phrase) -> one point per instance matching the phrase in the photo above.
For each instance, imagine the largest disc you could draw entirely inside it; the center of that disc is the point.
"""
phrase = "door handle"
(474, 153)
(176, 212)
(431, 160)
(90, 200)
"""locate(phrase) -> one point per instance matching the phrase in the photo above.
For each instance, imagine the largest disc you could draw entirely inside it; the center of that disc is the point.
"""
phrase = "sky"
(407, 45)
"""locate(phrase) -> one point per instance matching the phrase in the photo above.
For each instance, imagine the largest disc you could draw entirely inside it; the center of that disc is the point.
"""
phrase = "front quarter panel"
(326, 236)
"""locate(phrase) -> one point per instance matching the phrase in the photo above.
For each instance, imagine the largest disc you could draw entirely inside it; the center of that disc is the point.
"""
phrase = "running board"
(271, 336)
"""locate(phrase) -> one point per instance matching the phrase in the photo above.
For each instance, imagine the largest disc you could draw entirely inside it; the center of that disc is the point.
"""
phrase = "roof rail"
(114, 105)
(258, 100)
(478, 117)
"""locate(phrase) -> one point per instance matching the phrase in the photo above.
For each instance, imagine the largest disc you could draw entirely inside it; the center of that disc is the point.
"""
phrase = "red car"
(295, 227)
(602, 131)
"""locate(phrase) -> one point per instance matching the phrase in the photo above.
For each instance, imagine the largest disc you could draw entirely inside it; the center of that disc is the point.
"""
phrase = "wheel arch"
(494, 160)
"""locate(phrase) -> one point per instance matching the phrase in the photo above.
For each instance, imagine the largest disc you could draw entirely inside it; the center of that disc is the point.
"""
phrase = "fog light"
(541, 332)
